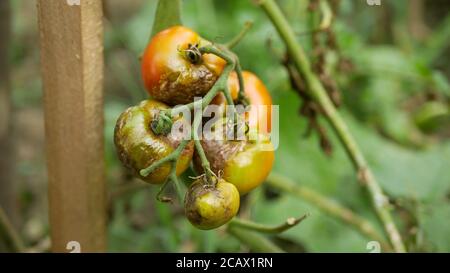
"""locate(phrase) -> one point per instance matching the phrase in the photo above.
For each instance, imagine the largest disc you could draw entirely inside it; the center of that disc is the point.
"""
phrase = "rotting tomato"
(138, 146)
(211, 206)
(172, 73)
(260, 101)
(244, 163)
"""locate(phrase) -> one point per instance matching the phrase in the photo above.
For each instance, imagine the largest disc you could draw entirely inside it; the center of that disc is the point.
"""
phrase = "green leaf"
(435, 219)
(437, 43)
(168, 13)
(421, 175)
(441, 83)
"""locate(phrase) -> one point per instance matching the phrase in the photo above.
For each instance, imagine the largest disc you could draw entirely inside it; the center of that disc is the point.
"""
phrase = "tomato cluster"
(175, 72)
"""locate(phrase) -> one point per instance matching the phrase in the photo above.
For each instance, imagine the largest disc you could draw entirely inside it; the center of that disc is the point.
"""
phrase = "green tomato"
(138, 146)
(211, 206)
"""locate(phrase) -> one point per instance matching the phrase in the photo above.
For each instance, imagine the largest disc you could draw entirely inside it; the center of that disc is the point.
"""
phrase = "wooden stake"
(71, 39)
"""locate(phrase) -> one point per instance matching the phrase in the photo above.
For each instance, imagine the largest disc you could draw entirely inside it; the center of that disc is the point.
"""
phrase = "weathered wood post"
(71, 40)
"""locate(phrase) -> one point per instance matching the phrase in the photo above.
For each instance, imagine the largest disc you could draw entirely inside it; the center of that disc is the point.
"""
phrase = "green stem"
(198, 145)
(241, 94)
(174, 178)
(328, 206)
(327, 15)
(228, 96)
(315, 87)
(235, 121)
(325, 23)
(233, 61)
(256, 242)
(159, 195)
(220, 85)
(173, 157)
(290, 223)
(235, 41)
(10, 234)
(219, 51)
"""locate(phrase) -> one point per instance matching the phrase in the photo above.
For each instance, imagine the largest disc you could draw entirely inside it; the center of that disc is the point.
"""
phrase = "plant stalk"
(315, 87)
(288, 224)
(9, 233)
(255, 241)
(173, 157)
(329, 206)
(173, 177)
(235, 41)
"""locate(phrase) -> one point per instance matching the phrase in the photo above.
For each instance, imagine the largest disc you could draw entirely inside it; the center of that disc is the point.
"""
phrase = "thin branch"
(176, 182)
(379, 200)
(235, 41)
(170, 158)
(327, 18)
(241, 94)
(255, 241)
(288, 224)
(9, 233)
(327, 15)
(328, 206)
(159, 196)
(198, 145)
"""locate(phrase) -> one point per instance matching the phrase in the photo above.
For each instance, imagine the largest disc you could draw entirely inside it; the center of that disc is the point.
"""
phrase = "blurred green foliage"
(410, 165)
(391, 77)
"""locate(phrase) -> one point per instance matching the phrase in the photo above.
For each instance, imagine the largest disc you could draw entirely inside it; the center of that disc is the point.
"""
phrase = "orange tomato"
(259, 98)
(168, 73)
(245, 164)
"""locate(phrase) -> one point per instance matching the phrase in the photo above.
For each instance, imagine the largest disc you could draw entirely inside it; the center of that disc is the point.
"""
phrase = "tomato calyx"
(193, 54)
(162, 124)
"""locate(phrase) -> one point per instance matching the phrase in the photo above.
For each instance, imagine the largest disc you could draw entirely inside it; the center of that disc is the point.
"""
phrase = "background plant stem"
(235, 41)
(289, 223)
(329, 206)
(255, 241)
(315, 87)
(9, 233)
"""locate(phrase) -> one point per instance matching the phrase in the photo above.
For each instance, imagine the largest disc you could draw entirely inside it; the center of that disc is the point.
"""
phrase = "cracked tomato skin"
(138, 147)
(258, 118)
(243, 163)
(249, 168)
(168, 74)
(209, 207)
